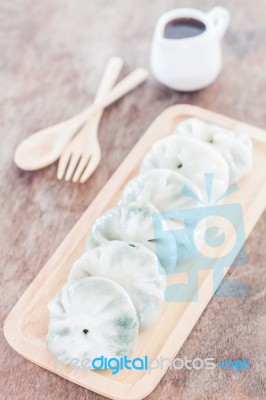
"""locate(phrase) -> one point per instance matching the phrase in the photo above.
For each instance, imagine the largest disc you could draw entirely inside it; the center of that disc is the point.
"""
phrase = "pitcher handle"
(220, 18)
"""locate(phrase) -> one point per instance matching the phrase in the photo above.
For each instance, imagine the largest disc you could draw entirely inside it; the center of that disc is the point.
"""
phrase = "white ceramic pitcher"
(191, 63)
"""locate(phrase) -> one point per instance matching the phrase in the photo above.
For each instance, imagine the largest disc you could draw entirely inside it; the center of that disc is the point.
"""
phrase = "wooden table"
(52, 57)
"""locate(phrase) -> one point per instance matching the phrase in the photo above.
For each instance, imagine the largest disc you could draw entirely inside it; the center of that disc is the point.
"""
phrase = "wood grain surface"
(52, 57)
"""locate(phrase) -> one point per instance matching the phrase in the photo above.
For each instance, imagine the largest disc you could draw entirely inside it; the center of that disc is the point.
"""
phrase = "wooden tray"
(26, 326)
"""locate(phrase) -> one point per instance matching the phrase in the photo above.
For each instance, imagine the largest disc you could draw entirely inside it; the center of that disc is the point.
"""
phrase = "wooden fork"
(82, 154)
(86, 146)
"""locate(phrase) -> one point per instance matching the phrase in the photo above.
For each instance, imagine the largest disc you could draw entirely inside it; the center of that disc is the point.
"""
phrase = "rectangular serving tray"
(26, 326)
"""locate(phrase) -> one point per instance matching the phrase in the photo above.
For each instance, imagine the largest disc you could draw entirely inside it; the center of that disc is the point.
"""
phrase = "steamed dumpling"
(163, 188)
(235, 147)
(134, 222)
(123, 223)
(90, 318)
(190, 158)
(132, 266)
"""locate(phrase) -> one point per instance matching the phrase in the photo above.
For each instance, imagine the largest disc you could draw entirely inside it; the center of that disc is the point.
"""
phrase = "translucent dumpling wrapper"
(135, 222)
(123, 223)
(90, 318)
(163, 188)
(132, 266)
(235, 147)
(178, 200)
(192, 159)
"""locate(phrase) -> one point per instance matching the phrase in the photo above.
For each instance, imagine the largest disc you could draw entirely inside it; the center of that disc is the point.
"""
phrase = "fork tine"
(63, 162)
(81, 166)
(75, 157)
(91, 167)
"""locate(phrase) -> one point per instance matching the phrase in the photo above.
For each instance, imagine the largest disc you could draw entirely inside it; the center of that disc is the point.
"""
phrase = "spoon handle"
(44, 147)
(126, 85)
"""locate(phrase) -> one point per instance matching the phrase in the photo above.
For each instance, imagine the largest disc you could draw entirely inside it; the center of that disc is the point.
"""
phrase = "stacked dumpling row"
(117, 286)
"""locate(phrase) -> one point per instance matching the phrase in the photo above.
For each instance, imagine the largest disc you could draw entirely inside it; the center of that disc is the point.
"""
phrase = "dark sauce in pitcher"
(181, 28)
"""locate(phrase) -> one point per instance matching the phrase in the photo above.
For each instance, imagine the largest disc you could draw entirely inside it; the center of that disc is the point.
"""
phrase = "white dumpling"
(134, 222)
(90, 318)
(123, 223)
(235, 147)
(190, 158)
(132, 266)
(163, 188)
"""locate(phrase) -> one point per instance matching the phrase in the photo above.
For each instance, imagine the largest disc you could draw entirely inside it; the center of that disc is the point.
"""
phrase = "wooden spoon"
(44, 147)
